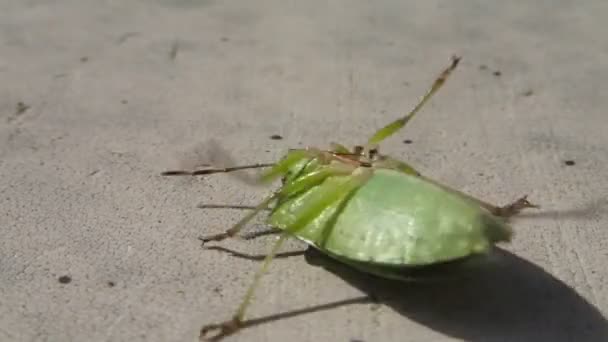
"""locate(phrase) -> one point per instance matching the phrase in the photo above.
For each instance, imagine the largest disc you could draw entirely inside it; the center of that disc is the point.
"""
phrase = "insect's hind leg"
(303, 217)
(513, 208)
(236, 323)
(505, 211)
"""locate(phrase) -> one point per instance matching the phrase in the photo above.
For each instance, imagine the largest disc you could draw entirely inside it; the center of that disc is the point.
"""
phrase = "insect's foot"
(215, 332)
(214, 237)
(517, 206)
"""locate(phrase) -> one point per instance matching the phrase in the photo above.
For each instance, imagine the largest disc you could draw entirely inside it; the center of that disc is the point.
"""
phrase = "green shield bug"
(368, 210)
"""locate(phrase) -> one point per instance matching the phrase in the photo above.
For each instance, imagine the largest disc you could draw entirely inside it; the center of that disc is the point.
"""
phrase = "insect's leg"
(250, 236)
(254, 257)
(239, 225)
(230, 327)
(390, 163)
(280, 169)
(330, 195)
(226, 206)
(255, 235)
(292, 158)
(302, 183)
(396, 125)
(505, 211)
(302, 217)
(214, 170)
(515, 207)
(338, 148)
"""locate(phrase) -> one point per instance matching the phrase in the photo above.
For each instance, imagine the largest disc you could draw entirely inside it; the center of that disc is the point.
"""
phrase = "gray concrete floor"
(114, 92)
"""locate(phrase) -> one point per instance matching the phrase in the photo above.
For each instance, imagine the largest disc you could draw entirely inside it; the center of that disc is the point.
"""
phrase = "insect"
(368, 210)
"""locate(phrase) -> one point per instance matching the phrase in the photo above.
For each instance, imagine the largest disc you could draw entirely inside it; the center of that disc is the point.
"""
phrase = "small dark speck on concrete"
(276, 137)
(21, 108)
(224, 39)
(528, 92)
(124, 101)
(407, 141)
(174, 50)
(111, 284)
(483, 67)
(356, 340)
(569, 162)
(84, 59)
(65, 279)
(497, 73)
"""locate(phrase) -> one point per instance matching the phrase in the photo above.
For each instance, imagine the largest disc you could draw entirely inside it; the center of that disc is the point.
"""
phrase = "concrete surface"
(114, 92)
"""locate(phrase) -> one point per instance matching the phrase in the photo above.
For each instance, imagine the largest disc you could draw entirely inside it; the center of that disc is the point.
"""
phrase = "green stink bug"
(369, 211)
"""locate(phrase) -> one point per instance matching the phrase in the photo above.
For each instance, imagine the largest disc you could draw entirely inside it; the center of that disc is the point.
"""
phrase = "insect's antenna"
(396, 125)
(214, 170)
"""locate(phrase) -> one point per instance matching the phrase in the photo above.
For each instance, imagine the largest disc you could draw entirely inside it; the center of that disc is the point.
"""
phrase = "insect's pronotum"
(368, 210)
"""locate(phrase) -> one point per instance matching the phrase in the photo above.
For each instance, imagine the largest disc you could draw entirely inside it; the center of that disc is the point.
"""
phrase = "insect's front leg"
(390, 163)
(279, 169)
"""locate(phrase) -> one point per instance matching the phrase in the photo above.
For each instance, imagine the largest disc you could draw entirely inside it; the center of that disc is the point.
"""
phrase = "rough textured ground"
(97, 246)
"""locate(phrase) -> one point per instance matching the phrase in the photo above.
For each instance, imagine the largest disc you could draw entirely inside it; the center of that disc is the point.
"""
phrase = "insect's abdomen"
(398, 219)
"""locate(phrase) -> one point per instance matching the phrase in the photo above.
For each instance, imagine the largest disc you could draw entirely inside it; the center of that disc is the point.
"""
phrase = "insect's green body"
(393, 219)
(370, 211)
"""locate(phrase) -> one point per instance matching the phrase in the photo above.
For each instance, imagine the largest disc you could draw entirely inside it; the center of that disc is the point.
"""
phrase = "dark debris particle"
(407, 141)
(528, 92)
(124, 101)
(173, 51)
(224, 39)
(483, 67)
(84, 59)
(21, 108)
(497, 73)
(65, 279)
(276, 137)
(569, 162)
(111, 284)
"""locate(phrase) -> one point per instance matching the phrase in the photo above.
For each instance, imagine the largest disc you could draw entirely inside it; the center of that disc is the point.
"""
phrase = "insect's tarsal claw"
(215, 332)
(215, 237)
(524, 203)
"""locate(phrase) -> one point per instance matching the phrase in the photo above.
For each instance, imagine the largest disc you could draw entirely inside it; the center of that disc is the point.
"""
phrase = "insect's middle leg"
(239, 225)
(305, 182)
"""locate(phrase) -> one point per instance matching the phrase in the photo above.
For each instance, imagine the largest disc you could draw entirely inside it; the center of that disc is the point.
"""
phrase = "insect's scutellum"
(346, 203)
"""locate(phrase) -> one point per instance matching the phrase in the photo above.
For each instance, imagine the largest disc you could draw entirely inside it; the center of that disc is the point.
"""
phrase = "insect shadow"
(509, 300)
